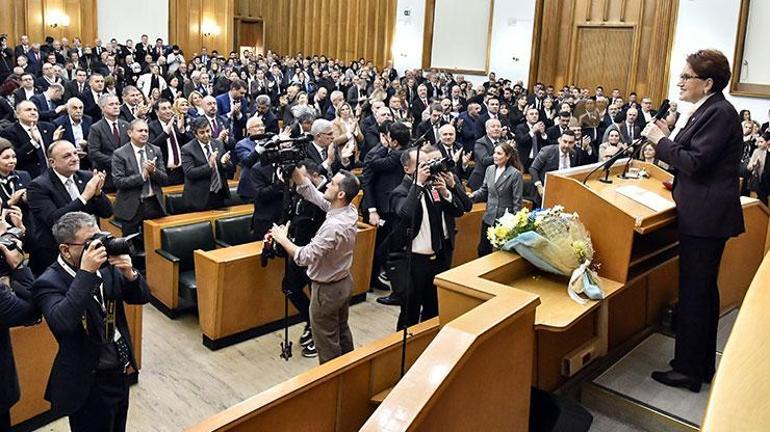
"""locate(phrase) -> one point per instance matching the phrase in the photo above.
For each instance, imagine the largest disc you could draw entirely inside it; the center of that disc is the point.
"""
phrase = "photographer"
(81, 297)
(16, 309)
(328, 256)
(429, 206)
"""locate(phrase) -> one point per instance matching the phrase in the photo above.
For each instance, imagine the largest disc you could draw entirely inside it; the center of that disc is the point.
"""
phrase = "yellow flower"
(501, 232)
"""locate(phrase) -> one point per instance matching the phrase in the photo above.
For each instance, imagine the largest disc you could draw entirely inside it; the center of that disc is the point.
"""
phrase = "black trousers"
(294, 281)
(485, 247)
(420, 300)
(175, 176)
(698, 311)
(5, 421)
(380, 254)
(106, 408)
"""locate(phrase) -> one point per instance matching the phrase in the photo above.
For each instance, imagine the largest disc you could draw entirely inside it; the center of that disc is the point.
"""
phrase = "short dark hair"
(399, 132)
(349, 185)
(711, 63)
(238, 84)
(198, 124)
(311, 166)
(565, 114)
(569, 132)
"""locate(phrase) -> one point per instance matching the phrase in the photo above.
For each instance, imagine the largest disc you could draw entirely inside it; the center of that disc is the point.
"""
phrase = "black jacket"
(382, 173)
(65, 303)
(30, 158)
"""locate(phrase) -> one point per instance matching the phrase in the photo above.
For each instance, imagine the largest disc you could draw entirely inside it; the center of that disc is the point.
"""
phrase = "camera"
(113, 245)
(7, 240)
(285, 156)
(437, 166)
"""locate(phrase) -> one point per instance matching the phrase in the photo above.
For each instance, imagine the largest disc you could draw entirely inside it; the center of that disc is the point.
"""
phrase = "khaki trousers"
(329, 305)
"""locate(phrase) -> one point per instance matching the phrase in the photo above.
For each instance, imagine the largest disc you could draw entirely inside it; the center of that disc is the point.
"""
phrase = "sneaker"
(383, 279)
(307, 337)
(310, 351)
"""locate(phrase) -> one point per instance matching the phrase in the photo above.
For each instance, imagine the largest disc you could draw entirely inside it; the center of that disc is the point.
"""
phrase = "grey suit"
(482, 154)
(198, 174)
(501, 194)
(129, 182)
(101, 145)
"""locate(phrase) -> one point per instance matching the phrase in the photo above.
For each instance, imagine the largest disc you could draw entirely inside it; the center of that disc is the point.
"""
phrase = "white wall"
(130, 19)
(710, 24)
(512, 25)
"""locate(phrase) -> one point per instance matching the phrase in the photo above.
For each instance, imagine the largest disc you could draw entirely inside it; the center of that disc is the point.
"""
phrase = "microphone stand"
(637, 147)
(607, 164)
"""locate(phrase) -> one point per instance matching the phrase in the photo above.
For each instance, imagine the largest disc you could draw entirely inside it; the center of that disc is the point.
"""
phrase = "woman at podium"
(704, 152)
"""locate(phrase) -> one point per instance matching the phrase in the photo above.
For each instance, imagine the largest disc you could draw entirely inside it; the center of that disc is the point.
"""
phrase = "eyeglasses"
(687, 77)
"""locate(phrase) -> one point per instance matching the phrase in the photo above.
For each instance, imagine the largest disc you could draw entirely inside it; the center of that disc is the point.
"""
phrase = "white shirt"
(422, 243)
(498, 172)
(320, 151)
(29, 93)
(77, 131)
(685, 117)
(64, 182)
(170, 145)
(139, 160)
(564, 161)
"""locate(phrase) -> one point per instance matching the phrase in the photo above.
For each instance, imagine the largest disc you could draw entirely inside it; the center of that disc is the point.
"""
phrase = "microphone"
(662, 111)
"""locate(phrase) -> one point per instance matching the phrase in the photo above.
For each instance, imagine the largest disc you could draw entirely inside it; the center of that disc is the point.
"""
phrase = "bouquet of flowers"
(553, 241)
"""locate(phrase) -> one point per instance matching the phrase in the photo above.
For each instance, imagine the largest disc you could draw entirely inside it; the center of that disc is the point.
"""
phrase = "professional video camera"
(286, 153)
(7, 240)
(437, 166)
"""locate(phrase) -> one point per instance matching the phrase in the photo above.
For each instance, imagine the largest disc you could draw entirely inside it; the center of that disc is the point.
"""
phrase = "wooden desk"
(34, 350)
(741, 388)
(467, 239)
(173, 189)
(161, 277)
(239, 299)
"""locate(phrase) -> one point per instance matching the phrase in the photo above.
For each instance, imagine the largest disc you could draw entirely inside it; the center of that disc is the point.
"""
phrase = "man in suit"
(139, 173)
(629, 130)
(61, 189)
(646, 112)
(372, 131)
(322, 152)
(16, 309)
(23, 47)
(420, 103)
(220, 125)
(234, 106)
(105, 136)
(204, 162)
(530, 137)
(535, 99)
(357, 93)
(47, 78)
(168, 134)
(27, 88)
(482, 152)
(77, 86)
(450, 148)
(92, 95)
(133, 105)
(264, 112)
(48, 103)
(76, 127)
(468, 126)
(428, 129)
(30, 138)
(35, 58)
(554, 158)
(432, 243)
(382, 172)
(246, 153)
(82, 296)
(492, 111)
(554, 132)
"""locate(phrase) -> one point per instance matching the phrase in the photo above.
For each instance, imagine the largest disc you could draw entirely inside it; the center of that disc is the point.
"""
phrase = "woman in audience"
(759, 181)
(611, 146)
(302, 106)
(519, 110)
(548, 114)
(13, 183)
(196, 107)
(504, 115)
(174, 89)
(501, 190)
(745, 115)
(181, 107)
(347, 131)
(647, 154)
(749, 144)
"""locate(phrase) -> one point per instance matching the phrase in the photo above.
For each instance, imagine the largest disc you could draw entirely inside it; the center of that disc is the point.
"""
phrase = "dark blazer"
(623, 129)
(553, 134)
(425, 129)
(243, 155)
(197, 174)
(90, 105)
(64, 121)
(548, 160)
(524, 143)
(268, 196)
(128, 181)
(469, 131)
(44, 109)
(48, 201)
(337, 165)
(64, 301)
(159, 138)
(482, 154)
(223, 108)
(381, 174)
(444, 153)
(705, 155)
(14, 311)
(125, 114)
(30, 158)
(101, 145)
(20, 95)
(405, 202)
(270, 121)
(500, 195)
(417, 108)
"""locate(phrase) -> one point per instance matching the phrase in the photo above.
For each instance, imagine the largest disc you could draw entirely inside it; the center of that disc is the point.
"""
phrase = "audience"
(204, 163)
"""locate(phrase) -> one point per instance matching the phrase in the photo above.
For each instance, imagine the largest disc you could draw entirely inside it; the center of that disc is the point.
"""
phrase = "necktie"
(434, 215)
(80, 88)
(207, 150)
(71, 188)
(631, 132)
(324, 154)
(115, 134)
(174, 148)
(216, 181)
(214, 127)
(51, 105)
(563, 160)
(146, 186)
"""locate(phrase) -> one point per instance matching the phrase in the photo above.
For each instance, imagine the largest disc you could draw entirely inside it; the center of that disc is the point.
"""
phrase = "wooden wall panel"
(32, 17)
(189, 18)
(557, 54)
(346, 29)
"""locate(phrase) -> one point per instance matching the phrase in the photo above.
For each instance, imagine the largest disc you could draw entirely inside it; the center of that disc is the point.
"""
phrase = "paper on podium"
(646, 198)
